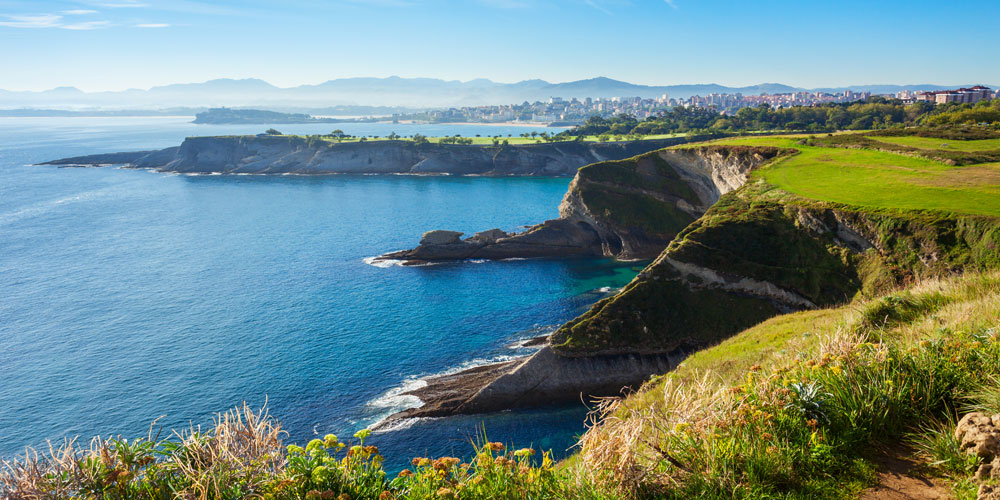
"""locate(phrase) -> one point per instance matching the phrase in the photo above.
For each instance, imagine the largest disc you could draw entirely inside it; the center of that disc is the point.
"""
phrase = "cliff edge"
(626, 209)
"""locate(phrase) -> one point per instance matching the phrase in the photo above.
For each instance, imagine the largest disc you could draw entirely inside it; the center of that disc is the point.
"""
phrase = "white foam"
(48, 206)
(383, 263)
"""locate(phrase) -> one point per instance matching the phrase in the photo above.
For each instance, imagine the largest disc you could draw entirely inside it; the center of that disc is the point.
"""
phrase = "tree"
(393, 136)
(272, 131)
(337, 133)
(420, 140)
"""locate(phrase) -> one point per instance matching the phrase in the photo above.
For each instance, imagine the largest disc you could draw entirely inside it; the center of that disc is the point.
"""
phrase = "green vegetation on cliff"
(835, 221)
(800, 405)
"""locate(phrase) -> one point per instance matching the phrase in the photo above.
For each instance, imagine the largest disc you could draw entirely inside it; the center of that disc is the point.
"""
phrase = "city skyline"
(99, 45)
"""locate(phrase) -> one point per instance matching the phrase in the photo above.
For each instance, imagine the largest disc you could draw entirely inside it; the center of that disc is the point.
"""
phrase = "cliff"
(628, 208)
(757, 251)
(315, 155)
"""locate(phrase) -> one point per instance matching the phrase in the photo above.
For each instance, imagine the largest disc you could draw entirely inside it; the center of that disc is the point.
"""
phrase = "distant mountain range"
(391, 91)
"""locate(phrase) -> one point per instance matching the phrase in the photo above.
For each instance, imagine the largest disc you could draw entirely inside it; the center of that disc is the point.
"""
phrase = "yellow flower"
(362, 434)
(330, 440)
(524, 452)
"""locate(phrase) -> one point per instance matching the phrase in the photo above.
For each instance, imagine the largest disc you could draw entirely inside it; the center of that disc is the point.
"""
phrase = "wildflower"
(355, 450)
(370, 450)
(925, 344)
(496, 446)
(524, 452)
(755, 368)
(421, 462)
(812, 423)
(330, 440)
(313, 495)
(681, 427)
(362, 434)
(477, 480)
(320, 474)
(385, 496)
(295, 449)
(405, 472)
(445, 493)
(766, 436)
(837, 370)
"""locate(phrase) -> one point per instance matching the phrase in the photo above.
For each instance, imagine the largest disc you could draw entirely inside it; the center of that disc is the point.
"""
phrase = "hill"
(391, 91)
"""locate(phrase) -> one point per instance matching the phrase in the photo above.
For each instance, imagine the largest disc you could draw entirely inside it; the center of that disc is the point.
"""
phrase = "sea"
(131, 296)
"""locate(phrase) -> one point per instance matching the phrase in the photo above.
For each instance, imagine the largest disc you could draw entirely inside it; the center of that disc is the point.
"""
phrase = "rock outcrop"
(979, 434)
(625, 208)
(312, 155)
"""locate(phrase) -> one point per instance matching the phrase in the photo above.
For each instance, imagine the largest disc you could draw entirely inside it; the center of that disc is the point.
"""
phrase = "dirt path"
(900, 478)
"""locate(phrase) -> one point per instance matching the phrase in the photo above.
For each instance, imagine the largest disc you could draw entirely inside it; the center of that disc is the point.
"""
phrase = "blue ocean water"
(129, 295)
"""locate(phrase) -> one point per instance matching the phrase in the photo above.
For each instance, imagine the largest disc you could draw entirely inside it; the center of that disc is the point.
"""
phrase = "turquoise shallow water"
(129, 295)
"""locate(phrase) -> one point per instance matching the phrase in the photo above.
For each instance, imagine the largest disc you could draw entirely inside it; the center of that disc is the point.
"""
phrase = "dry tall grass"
(242, 448)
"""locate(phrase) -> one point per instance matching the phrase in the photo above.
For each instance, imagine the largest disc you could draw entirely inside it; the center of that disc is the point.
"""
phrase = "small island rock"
(440, 237)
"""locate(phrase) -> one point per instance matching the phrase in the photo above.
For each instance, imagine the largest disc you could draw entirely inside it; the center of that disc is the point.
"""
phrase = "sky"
(118, 44)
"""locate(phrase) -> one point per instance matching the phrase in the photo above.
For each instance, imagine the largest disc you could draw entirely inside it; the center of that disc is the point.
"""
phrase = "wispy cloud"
(123, 4)
(78, 12)
(152, 25)
(51, 21)
(671, 3)
(28, 21)
(598, 6)
(89, 25)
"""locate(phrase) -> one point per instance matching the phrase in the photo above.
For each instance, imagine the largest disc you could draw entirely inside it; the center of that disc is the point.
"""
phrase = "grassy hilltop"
(891, 237)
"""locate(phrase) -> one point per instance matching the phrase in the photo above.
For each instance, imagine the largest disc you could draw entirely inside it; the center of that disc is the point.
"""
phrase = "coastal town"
(558, 111)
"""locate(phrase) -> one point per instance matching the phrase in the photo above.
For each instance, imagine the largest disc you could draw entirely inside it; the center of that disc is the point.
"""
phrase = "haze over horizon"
(101, 45)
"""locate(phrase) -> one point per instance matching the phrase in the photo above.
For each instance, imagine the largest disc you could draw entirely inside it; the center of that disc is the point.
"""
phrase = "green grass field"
(942, 144)
(881, 179)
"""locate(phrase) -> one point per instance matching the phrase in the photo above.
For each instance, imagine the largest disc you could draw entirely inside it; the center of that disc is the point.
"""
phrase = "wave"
(396, 399)
(44, 207)
(383, 263)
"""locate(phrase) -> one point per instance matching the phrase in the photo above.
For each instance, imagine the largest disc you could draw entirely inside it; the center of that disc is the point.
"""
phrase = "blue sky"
(118, 44)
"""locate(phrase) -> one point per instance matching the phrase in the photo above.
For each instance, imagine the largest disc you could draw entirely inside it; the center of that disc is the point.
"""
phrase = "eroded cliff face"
(758, 252)
(628, 208)
(311, 155)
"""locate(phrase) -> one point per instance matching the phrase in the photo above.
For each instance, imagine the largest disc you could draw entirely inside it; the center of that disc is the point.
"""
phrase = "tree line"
(875, 113)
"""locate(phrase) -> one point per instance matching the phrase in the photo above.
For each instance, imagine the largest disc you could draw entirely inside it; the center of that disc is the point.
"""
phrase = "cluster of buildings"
(970, 95)
(730, 103)
(574, 111)
(555, 110)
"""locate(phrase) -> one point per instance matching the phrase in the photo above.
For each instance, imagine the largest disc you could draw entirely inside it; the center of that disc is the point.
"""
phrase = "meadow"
(880, 179)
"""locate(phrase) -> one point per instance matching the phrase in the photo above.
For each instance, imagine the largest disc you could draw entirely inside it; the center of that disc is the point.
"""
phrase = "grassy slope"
(880, 179)
(863, 355)
(925, 218)
(939, 143)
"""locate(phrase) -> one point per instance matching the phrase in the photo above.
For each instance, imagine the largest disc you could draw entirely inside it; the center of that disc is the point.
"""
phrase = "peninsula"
(289, 154)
